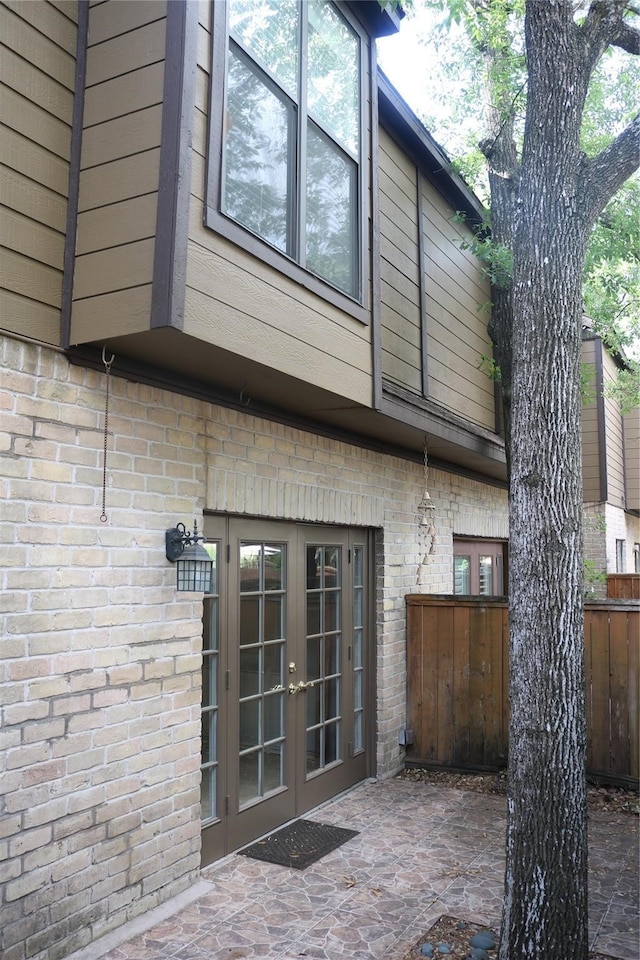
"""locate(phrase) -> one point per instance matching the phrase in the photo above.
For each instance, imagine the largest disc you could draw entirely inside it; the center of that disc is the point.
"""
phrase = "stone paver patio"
(422, 851)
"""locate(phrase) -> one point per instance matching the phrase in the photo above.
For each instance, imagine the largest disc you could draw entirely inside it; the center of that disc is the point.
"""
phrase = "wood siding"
(590, 425)
(400, 315)
(613, 433)
(238, 302)
(119, 173)
(632, 458)
(37, 77)
(457, 691)
(457, 299)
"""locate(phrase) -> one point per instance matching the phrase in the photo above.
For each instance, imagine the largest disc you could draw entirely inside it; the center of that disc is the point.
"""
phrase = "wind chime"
(426, 527)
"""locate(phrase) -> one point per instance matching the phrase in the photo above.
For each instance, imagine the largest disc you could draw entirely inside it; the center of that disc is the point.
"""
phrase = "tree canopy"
(454, 37)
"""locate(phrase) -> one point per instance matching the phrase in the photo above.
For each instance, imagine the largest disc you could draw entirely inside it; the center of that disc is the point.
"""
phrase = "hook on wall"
(244, 400)
(106, 362)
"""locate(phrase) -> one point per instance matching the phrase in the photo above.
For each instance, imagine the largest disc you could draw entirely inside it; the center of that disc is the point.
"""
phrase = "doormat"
(300, 844)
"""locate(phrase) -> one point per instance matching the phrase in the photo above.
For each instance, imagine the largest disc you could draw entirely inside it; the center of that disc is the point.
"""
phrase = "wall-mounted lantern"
(194, 565)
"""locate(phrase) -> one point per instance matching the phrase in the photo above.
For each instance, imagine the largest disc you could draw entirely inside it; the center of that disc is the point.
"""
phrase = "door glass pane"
(273, 716)
(209, 727)
(323, 647)
(250, 567)
(262, 665)
(331, 650)
(331, 213)
(273, 616)
(314, 561)
(249, 672)
(314, 645)
(210, 693)
(357, 691)
(273, 767)
(273, 672)
(208, 793)
(486, 576)
(259, 148)
(358, 633)
(273, 566)
(209, 681)
(462, 575)
(249, 777)
(313, 705)
(249, 724)
(331, 701)
(331, 747)
(333, 74)
(314, 749)
(269, 32)
(249, 620)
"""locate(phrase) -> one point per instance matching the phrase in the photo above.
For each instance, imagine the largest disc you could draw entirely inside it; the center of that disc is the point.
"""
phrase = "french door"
(286, 674)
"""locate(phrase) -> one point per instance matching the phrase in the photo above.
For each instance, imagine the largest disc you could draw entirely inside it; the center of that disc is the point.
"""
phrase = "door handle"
(299, 687)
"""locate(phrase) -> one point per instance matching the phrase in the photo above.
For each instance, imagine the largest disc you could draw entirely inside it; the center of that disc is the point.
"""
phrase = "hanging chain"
(107, 366)
(426, 466)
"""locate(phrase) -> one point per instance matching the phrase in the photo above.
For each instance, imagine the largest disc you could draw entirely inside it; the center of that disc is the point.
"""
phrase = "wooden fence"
(457, 666)
(623, 586)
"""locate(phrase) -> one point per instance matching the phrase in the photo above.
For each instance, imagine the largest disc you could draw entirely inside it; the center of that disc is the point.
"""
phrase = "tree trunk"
(545, 907)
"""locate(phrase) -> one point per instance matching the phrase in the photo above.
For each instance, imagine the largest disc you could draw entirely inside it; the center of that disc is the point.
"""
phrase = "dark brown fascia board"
(445, 424)
(153, 376)
(172, 223)
(74, 174)
(602, 428)
(427, 154)
(378, 21)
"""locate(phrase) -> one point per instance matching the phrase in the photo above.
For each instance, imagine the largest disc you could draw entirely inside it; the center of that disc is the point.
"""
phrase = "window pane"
(462, 575)
(333, 75)
(268, 29)
(260, 133)
(486, 576)
(331, 213)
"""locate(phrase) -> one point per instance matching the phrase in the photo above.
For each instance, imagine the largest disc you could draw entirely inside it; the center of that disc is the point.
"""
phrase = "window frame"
(475, 549)
(222, 224)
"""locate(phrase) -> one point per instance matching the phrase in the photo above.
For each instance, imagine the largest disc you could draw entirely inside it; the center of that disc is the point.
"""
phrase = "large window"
(290, 137)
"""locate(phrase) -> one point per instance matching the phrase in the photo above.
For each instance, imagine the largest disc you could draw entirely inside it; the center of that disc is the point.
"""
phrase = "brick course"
(100, 689)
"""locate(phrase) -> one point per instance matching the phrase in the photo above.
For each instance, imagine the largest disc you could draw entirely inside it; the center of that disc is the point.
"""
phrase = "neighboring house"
(232, 290)
(611, 469)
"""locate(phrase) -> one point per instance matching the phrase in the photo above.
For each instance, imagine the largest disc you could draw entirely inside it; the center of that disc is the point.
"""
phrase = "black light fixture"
(194, 565)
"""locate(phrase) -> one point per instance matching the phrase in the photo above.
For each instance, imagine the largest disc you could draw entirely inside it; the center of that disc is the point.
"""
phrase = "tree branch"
(605, 26)
(605, 173)
(628, 39)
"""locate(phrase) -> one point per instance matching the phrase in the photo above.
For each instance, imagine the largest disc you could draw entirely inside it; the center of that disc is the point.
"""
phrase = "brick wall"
(100, 683)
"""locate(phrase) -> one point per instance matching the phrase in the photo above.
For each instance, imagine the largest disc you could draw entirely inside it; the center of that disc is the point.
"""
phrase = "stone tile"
(421, 852)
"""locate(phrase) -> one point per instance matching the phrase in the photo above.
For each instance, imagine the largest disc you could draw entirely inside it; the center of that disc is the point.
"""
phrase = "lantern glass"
(195, 569)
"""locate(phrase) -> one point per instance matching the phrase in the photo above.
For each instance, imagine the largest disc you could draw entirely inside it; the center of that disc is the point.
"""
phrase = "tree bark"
(545, 906)
(543, 208)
